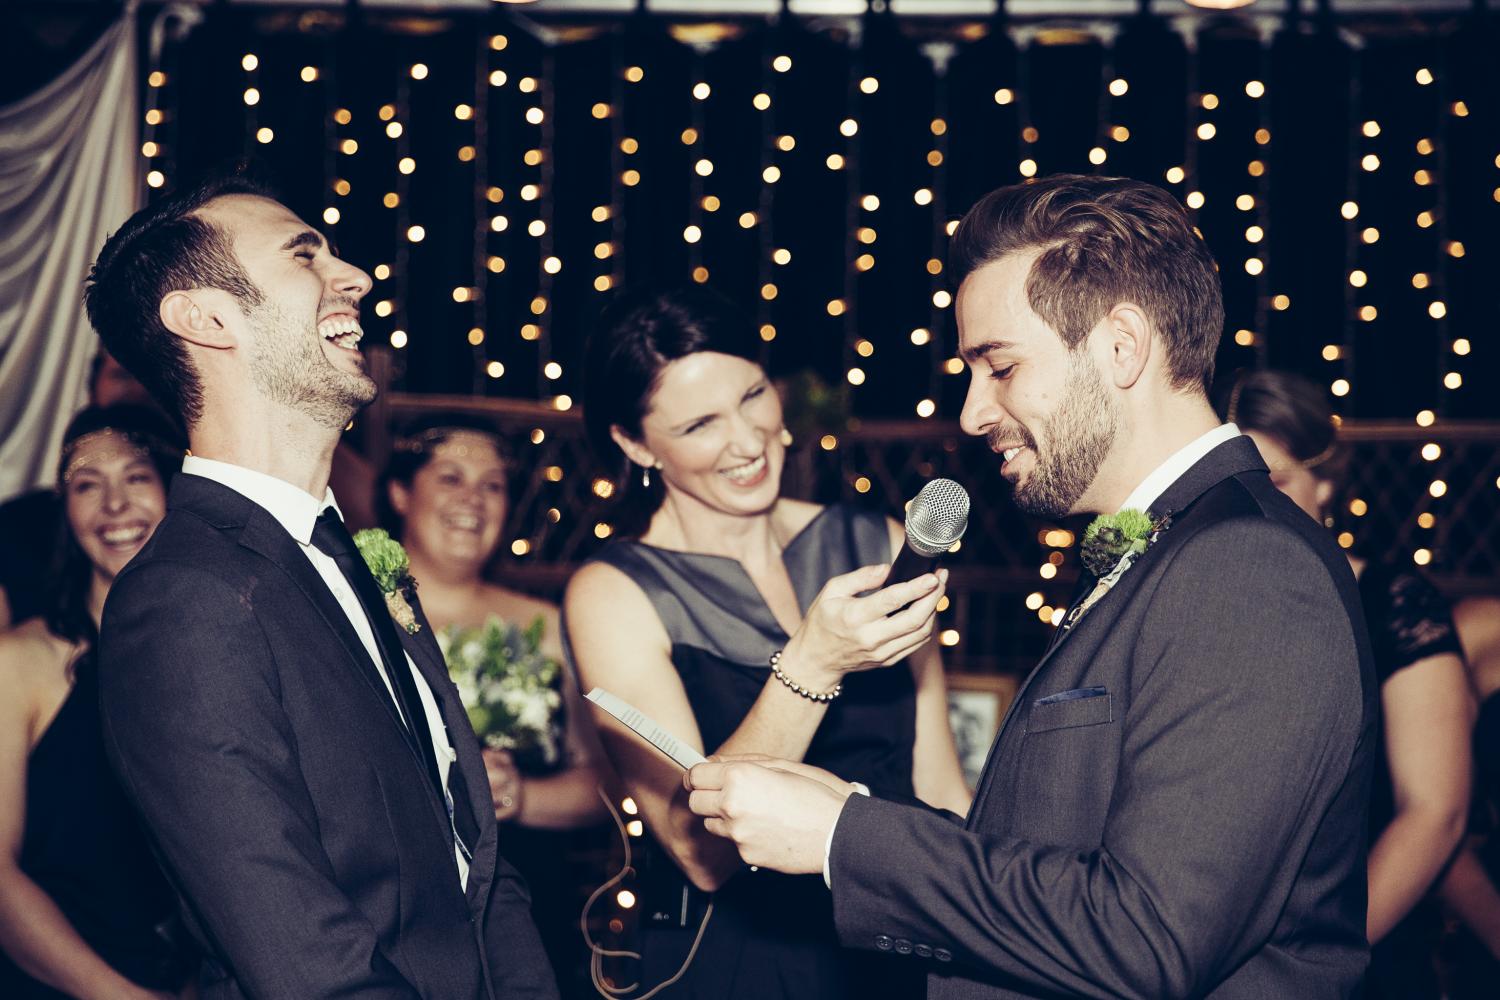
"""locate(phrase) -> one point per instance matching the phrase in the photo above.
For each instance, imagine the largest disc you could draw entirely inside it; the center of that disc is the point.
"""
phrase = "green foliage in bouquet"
(509, 687)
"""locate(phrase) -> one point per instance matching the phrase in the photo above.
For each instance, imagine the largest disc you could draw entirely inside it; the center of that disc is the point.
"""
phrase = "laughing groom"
(303, 763)
(1175, 804)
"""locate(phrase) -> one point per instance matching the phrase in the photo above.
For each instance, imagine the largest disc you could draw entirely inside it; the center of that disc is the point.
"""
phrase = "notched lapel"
(265, 536)
(426, 654)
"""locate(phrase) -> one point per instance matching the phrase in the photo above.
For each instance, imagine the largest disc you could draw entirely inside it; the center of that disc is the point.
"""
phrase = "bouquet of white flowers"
(509, 688)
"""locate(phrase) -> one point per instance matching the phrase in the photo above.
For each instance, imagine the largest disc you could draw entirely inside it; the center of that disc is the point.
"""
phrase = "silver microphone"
(935, 520)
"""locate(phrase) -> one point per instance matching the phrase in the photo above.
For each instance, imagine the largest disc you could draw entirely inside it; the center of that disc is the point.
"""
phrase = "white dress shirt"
(1153, 486)
(297, 512)
(1141, 498)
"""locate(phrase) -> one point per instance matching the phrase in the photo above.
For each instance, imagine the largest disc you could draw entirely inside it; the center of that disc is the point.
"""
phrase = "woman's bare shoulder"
(31, 647)
(33, 666)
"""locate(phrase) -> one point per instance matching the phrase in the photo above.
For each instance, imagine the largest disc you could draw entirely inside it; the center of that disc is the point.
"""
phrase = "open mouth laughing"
(749, 474)
(343, 331)
(123, 537)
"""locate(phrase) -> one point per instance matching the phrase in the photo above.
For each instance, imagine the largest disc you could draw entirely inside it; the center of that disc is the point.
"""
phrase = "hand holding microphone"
(845, 632)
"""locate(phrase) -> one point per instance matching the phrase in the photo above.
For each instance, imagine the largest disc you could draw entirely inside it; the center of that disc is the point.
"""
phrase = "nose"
(115, 499)
(349, 280)
(980, 412)
(746, 436)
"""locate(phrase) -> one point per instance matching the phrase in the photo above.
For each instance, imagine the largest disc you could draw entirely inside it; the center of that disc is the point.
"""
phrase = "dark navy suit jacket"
(313, 856)
(1175, 804)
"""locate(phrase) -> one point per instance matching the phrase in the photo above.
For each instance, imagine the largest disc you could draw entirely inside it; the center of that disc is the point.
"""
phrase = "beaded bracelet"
(819, 696)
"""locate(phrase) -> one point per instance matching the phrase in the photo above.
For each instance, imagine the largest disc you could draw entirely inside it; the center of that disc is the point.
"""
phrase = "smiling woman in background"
(84, 910)
(681, 620)
(445, 494)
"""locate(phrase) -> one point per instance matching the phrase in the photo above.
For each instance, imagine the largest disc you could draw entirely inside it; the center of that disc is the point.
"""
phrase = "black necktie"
(333, 540)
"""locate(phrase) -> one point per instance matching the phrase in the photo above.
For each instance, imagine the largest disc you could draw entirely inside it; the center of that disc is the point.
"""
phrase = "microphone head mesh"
(937, 517)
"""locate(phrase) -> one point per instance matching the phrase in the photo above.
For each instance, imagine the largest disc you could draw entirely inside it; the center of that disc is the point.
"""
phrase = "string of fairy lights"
(501, 216)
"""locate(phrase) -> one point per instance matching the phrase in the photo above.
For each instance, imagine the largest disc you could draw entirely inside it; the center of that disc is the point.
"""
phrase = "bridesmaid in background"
(1419, 797)
(1472, 955)
(84, 910)
(444, 494)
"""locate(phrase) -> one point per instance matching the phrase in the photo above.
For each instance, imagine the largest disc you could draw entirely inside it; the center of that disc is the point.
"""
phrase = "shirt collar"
(296, 510)
(1168, 472)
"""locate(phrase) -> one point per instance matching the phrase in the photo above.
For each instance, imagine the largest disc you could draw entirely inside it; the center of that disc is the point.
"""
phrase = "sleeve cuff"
(828, 845)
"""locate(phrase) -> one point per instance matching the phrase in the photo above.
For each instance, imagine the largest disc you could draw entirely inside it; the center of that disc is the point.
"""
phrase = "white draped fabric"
(69, 176)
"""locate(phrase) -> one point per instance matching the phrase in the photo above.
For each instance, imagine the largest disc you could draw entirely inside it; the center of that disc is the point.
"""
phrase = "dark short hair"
(639, 334)
(163, 248)
(414, 446)
(1103, 241)
(66, 603)
(1296, 413)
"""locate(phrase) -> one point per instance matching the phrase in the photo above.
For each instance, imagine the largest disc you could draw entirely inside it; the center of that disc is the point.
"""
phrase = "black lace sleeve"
(1409, 619)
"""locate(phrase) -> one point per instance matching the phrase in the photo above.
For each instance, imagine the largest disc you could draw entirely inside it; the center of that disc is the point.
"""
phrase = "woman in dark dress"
(682, 618)
(444, 494)
(84, 910)
(1419, 795)
(1471, 888)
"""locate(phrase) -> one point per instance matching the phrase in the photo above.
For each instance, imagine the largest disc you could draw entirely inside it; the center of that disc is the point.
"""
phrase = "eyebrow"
(684, 425)
(306, 238)
(978, 351)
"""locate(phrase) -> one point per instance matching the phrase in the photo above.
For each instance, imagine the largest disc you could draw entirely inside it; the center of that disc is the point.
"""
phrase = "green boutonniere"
(1111, 545)
(391, 568)
(1111, 537)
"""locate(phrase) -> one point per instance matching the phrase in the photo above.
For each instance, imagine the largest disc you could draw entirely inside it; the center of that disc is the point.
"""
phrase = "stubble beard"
(1079, 435)
(289, 367)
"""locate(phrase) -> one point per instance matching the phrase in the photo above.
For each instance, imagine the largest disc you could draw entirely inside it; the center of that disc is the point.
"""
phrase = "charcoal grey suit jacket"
(312, 854)
(1175, 804)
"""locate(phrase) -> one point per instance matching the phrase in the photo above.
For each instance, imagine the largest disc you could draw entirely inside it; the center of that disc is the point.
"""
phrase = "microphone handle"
(909, 565)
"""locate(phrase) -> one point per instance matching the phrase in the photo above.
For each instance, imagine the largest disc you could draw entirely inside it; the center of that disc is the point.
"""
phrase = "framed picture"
(976, 705)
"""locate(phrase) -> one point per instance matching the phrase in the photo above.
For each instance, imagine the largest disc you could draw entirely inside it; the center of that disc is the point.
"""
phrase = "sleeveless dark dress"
(771, 936)
(1409, 621)
(1472, 970)
(84, 847)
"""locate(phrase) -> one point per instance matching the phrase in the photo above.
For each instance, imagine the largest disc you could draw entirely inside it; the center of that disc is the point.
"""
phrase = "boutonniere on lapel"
(391, 569)
(1111, 545)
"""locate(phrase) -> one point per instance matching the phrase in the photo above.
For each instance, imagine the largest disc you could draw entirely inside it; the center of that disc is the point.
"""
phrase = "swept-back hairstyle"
(1103, 241)
(163, 248)
(66, 607)
(637, 337)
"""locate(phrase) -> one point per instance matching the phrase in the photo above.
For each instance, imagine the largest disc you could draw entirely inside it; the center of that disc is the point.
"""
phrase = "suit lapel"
(1230, 458)
(425, 653)
(264, 535)
(258, 531)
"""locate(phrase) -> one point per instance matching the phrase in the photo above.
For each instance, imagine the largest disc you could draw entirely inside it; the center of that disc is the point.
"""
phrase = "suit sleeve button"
(922, 950)
(882, 942)
(903, 946)
(942, 954)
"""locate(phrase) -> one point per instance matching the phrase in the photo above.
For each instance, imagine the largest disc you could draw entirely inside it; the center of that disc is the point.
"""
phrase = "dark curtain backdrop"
(939, 113)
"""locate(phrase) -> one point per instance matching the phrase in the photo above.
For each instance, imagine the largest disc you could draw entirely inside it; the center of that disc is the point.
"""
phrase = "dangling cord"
(597, 953)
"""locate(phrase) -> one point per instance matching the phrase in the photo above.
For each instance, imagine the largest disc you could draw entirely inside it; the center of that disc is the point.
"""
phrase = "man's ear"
(633, 449)
(399, 496)
(193, 316)
(1130, 339)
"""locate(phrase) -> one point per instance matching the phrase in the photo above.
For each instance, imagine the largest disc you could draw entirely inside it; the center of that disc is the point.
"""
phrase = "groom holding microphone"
(1175, 804)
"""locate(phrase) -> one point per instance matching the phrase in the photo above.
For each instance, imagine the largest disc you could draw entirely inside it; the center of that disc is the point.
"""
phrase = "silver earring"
(646, 477)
